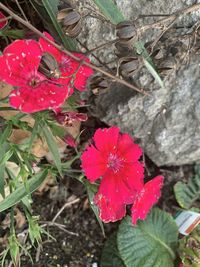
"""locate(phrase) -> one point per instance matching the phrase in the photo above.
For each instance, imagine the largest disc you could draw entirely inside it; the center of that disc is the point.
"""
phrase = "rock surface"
(167, 121)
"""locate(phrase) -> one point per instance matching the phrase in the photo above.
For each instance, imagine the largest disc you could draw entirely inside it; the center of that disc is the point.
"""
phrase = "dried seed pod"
(71, 21)
(128, 65)
(49, 66)
(123, 50)
(126, 32)
(99, 84)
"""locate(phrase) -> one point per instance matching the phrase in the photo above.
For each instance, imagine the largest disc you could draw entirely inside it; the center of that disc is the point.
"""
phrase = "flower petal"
(106, 140)
(128, 149)
(147, 197)
(109, 212)
(93, 164)
(44, 96)
(20, 61)
(122, 187)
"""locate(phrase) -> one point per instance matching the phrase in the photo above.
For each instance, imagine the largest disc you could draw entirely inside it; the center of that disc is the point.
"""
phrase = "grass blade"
(21, 191)
(52, 147)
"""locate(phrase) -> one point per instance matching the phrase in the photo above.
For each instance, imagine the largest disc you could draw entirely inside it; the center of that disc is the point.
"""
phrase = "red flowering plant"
(45, 132)
(114, 157)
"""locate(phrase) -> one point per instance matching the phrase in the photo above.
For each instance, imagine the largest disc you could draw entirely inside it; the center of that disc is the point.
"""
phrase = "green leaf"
(6, 133)
(91, 190)
(187, 193)
(154, 73)
(56, 129)
(52, 147)
(152, 243)
(148, 62)
(52, 12)
(6, 157)
(110, 10)
(2, 172)
(34, 133)
(15, 34)
(110, 255)
(21, 191)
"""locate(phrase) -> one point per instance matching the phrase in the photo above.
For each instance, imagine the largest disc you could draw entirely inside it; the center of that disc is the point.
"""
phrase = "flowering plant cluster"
(20, 67)
(114, 158)
(46, 82)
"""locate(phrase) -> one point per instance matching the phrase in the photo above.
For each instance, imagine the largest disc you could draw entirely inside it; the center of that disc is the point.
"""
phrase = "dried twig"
(66, 205)
(58, 225)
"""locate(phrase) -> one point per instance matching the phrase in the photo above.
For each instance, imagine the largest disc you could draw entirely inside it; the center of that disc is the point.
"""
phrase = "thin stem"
(21, 10)
(40, 34)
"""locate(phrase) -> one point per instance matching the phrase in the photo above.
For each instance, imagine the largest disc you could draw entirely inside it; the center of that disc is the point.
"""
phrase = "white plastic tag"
(187, 221)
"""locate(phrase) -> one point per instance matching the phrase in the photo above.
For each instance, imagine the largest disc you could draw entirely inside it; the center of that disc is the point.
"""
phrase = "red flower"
(146, 198)
(71, 70)
(3, 21)
(114, 157)
(19, 67)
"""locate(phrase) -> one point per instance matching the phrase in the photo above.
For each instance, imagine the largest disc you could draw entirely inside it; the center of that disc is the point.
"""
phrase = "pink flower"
(3, 22)
(71, 70)
(146, 198)
(114, 157)
(19, 67)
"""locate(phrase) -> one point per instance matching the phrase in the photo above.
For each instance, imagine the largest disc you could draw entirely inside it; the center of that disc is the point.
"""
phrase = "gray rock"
(167, 121)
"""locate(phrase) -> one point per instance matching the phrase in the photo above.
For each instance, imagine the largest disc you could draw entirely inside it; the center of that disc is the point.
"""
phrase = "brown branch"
(40, 34)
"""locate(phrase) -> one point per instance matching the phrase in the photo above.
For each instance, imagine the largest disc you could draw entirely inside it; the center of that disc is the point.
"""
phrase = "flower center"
(114, 162)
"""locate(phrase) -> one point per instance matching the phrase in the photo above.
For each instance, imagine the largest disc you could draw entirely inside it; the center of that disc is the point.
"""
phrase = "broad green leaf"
(110, 255)
(187, 193)
(50, 8)
(53, 148)
(152, 243)
(91, 190)
(17, 195)
(6, 133)
(110, 10)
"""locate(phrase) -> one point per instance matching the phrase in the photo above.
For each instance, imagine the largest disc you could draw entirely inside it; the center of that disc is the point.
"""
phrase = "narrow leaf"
(21, 191)
(2, 172)
(154, 73)
(6, 157)
(67, 41)
(91, 190)
(6, 133)
(52, 147)
(110, 10)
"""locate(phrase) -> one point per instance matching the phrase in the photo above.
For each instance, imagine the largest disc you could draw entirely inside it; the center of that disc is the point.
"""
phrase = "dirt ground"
(82, 247)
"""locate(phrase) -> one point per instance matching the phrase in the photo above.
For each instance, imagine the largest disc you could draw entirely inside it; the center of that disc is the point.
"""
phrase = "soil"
(84, 248)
